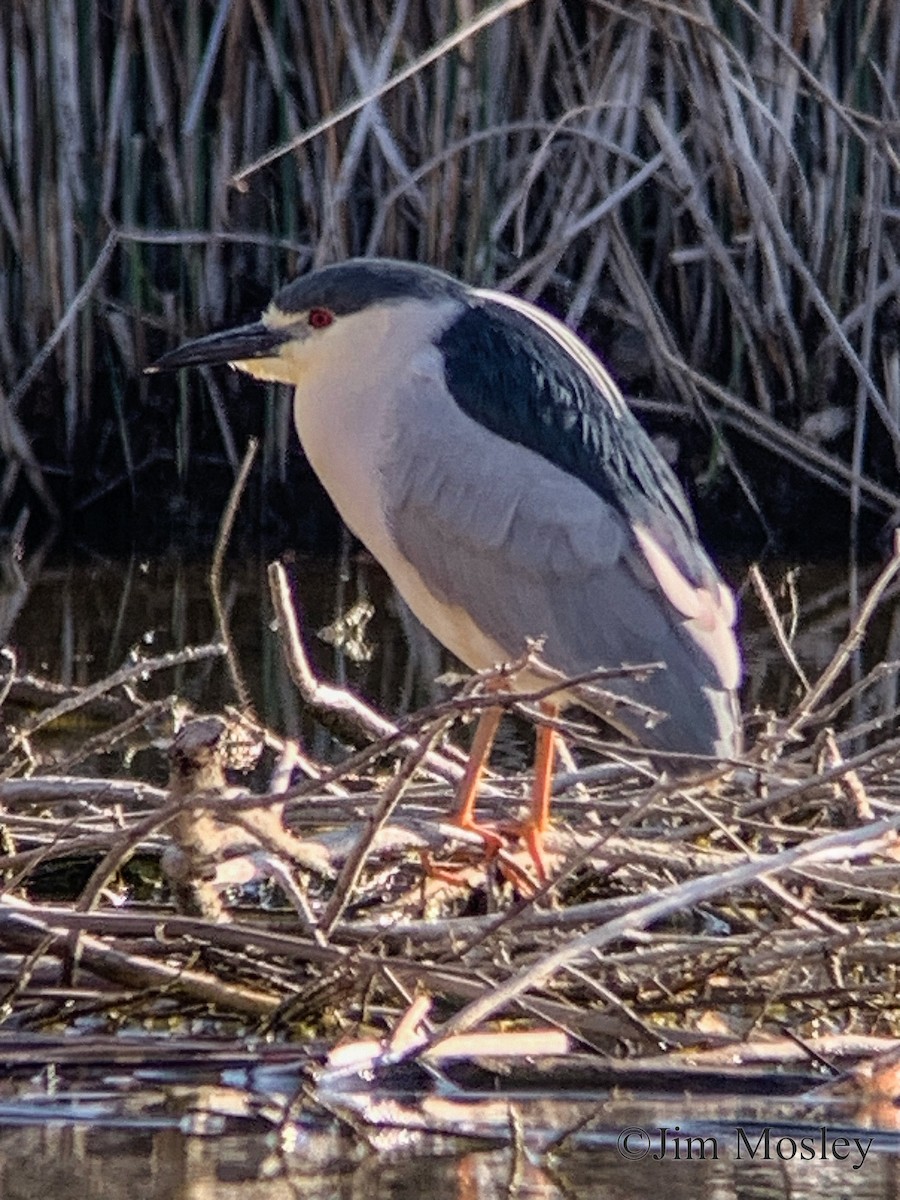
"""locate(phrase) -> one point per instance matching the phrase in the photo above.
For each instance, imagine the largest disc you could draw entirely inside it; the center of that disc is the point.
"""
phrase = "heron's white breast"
(342, 408)
(345, 410)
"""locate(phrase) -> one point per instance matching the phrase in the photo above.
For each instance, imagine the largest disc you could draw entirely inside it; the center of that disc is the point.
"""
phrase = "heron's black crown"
(352, 286)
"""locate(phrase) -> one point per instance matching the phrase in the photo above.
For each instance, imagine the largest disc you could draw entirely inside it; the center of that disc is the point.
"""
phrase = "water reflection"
(77, 622)
(78, 1162)
(818, 605)
(82, 621)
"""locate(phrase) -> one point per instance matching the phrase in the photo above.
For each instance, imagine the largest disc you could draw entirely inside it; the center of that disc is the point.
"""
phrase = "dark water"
(80, 621)
(160, 1133)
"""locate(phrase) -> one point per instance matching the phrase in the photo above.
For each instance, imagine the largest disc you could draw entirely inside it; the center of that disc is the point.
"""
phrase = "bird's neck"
(348, 404)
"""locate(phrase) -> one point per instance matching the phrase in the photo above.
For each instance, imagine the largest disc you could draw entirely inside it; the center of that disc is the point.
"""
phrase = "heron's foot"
(532, 834)
(453, 874)
(495, 851)
(457, 872)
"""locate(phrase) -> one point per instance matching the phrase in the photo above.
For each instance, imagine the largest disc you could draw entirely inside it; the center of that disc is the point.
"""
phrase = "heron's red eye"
(320, 318)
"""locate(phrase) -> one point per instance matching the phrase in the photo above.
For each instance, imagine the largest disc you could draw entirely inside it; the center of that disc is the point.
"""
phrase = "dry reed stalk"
(721, 179)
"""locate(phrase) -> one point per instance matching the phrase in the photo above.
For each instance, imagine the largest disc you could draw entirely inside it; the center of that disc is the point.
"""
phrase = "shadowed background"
(709, 193)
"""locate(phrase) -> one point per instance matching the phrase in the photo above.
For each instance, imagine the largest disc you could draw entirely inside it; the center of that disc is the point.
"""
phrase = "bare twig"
(215, 572)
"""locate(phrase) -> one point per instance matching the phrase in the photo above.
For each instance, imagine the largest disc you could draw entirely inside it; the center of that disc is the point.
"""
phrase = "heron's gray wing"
(523, 374)
(528, 550)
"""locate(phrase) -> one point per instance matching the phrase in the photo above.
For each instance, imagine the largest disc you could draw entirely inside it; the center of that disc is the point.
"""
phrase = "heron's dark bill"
(230, 346)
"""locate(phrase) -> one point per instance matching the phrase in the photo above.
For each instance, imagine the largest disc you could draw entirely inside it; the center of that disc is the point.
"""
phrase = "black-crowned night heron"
(485, 457)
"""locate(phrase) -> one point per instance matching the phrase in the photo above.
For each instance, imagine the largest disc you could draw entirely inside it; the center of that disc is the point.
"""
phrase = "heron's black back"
(514, 378)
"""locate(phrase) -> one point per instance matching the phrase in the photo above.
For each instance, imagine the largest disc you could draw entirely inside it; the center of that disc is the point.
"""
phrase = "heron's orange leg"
(533, 830)
(539, 820)
(467, 792)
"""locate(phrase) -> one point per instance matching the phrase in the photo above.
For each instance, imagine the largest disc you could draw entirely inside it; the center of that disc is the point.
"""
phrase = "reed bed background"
(710, 191)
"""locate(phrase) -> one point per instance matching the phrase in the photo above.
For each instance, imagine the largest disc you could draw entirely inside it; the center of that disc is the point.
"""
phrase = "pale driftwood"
(854, 843)
(336, 701)
(19, 927)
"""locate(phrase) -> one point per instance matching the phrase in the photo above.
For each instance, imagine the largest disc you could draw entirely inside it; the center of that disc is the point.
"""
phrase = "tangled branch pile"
(727, 909)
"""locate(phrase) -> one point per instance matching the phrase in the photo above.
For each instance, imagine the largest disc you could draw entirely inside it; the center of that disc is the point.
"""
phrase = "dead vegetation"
(710, 191)
(747, 910)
